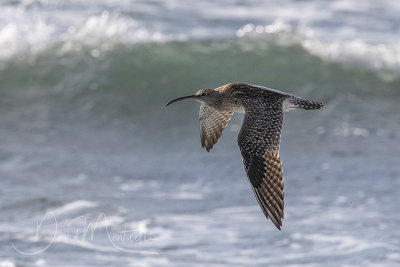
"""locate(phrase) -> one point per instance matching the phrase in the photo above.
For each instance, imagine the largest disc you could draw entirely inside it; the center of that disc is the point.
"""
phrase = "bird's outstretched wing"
(259, 141)
(212, 123)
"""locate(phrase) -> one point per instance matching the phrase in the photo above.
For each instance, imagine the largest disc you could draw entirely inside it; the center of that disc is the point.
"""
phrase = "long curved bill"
(181, 98)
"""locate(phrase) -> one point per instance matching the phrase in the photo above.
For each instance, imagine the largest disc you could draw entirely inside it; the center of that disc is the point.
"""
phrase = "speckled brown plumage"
(259, 141)
(259, 137)
(212, 123)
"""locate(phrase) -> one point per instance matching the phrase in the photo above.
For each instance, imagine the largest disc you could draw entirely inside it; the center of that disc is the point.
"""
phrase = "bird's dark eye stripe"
(203, 94)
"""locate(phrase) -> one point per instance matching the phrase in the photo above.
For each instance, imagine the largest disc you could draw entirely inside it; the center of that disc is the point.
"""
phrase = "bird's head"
(204, 96)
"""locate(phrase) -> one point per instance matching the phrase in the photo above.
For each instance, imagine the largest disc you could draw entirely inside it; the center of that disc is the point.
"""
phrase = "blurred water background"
(88, 150)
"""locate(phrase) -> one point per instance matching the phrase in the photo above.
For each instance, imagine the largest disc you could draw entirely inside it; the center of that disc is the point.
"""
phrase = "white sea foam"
(375, 56)
(132, 186)
(73, 207)
(175, 231)
(342, 31)
(188, 195)
(7, 263)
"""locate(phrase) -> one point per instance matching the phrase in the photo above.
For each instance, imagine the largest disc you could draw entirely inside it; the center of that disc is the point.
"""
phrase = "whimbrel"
(259, 137)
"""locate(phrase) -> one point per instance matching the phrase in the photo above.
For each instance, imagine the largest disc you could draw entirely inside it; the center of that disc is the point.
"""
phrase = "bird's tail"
(297, 102)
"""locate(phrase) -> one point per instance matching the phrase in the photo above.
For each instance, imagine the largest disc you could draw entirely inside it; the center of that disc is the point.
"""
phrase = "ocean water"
(95, 170)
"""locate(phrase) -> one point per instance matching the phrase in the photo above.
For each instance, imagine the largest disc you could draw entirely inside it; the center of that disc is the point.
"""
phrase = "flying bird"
(259, 137)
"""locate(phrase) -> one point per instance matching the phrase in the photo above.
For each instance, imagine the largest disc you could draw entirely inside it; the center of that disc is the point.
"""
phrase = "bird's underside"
(258, 140)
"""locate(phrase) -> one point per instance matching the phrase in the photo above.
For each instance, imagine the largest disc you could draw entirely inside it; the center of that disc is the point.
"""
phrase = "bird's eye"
(203, 94)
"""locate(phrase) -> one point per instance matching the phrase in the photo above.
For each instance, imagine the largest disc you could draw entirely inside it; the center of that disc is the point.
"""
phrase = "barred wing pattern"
(212, 123)
(259, 141)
